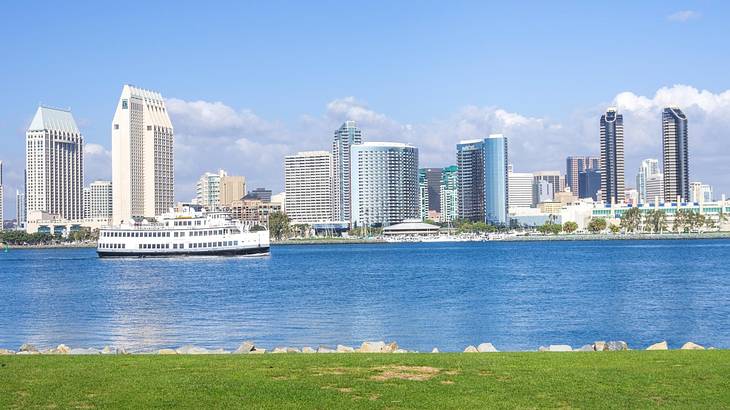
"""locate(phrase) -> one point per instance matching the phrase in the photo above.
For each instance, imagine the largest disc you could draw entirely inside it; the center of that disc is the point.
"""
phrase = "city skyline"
(254, 111)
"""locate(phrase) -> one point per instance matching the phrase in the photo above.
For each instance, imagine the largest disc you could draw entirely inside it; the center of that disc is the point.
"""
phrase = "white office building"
(649, 168)
(208, 190)
(654, 187)
(2, 198)
(700, 192)
(520, 189)
(142, 155)
(98, 200)
(54, 164)
(308, 187)
(384, 183)
(345, 138)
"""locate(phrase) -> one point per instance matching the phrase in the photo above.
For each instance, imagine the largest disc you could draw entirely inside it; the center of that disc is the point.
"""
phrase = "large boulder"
(279, 350)
(245, 347)
(109, 350)
(344, 349)
(692, 346)
(560, 348)
(471, 349)
(27, 347)
(599, 346)
(190, 349)
(60, 349)
(82, 351)
(325, 349)
(486, 348)
(371, 347)
(659, 346)
(166, 351)
(4, 352)
(435, 350)
(585, 348)
(258, 350)
(292, 350)
(400, 351)
(307, 349)
(614, 346)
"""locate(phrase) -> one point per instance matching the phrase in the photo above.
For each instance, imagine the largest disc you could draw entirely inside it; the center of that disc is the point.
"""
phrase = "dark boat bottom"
(221, 252)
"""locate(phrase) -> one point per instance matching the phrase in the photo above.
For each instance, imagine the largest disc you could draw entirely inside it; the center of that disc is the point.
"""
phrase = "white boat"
(189, 233)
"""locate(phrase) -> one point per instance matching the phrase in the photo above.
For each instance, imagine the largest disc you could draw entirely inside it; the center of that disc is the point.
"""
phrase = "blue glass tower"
(496, 181)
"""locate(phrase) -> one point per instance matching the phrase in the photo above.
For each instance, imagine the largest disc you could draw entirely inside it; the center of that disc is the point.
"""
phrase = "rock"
(371, 347)
(543, 349)
(471, 349)
(599, 346)
(344, 349)
(60, 349)
(6, 352)
(190, 349)
(560, 348)
(400, 351)
(585, 348)
(391, 347)
(27, 347)
(614, 346)
(307, 349)
(245, 347)
(258, 350)
(691, 346)
(435, 350)
(659, 346)
(325, 349)
(486, 348)
(292, 350)
(166, 351)
(82, 351)
(279, 350)
(109, 350)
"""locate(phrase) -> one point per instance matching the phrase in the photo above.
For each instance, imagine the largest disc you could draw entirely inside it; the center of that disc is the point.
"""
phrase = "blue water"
(517, 295)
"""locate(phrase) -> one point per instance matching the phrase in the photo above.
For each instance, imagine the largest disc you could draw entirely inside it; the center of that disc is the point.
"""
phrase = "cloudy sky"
(248, 83)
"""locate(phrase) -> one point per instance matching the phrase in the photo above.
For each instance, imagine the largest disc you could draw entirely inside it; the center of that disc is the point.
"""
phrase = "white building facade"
(2, 198)
(308, 187)
(208, 190)
(649, 168)
(385, 188)
(99, 200)
(54, 164)
(520, 189)
(142, 155)
(347, 136)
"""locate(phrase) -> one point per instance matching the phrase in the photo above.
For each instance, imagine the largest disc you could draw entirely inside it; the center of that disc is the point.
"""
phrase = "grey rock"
(292, 350)
(27, 347)
(245, 347)
(691, 346)
(614, 346)
(344, 349)
(279, 350)
(371, 347)
(599, 346)
(121, 350)
(486, 348)
(560, 348)
(659, 346)
(109, 350)
(307, 349)
(585, 348)
(325, 349)
(60, 349)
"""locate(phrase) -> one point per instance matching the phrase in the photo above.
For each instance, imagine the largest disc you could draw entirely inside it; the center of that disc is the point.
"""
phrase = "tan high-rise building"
(54, 163)
(142, 156)
(232, 188)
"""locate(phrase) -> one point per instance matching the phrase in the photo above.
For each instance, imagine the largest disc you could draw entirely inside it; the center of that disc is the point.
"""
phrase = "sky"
(247, 83)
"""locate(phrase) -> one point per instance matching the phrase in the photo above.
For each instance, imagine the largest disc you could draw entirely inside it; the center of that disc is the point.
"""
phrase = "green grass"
(678, 379)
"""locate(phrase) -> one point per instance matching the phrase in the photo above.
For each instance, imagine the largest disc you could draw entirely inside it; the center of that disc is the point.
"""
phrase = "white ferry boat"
(189, 233)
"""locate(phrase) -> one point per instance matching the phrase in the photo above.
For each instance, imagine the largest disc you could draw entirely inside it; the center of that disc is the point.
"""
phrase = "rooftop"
(48, 118)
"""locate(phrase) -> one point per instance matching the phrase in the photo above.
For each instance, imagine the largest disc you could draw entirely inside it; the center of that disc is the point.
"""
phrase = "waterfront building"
(231, 188)
(648, 168)
(98, 198)
(308, 187)
(433, 188)
(542, 191)
(54, 164)
(655, 188)
(423, 194)
(612, 156)
(589, 183)
(470, 162)
(554, 178)
(574, 165)
(715, 211)
(520, 189)
(345, 138)
(2, 215)
(20, 208)
(262, 194)
(384, 183)
(449, 194)
(253, 211)
(280, 199)
(675, 153)
(143, 175)
(631, 196)
(700, 192)
(496, 181)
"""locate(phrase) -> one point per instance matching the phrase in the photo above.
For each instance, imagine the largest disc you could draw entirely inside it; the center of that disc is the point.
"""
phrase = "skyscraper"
(545, 193)
(496, 182)
(100, 200)
(384, 183)
(208, 190)
(20, 207)
(308, 184)
(612, 156)
(449, 194)
(345, 137)
(54, 164)
(470, 162)
(423, 194)
(142, 155)
(575, 165)
(648, 168)
(232, 188)
(655, 188)
(675, 154)
(520, 190)
(589, 183)
(2, 216)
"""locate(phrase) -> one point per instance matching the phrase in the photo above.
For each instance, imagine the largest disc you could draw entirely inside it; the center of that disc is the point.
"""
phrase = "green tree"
(614, 229)
(655, 221)
(597, 225)
(278, 225)
(682, 221)
(570, 227)
(631, 220)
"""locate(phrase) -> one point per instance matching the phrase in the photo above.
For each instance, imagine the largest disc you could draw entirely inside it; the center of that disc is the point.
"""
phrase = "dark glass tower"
(675, 154)
(612, 157)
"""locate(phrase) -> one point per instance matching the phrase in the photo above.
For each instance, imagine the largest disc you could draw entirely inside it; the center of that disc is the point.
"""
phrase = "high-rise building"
(99, 200)
(308, 187)
(143, 175)
(345, 138)
(612, 156)
(575, 165)
(701, 193)
(647, 169)
(589, 183)
(54, 164)
(542, 192)
(384, 183)
(675, 154)
(520, 190)
(208, 190)
(496, 181)
(423, 194)
(2, 215)
(433, 181)
(262, 194)
(655, 188)
(20, 207)
(470, 162)
(232, 188)
(87, 202)
(449, 194)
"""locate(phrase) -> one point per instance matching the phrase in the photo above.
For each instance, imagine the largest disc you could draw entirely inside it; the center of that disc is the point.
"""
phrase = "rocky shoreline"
(249, 347)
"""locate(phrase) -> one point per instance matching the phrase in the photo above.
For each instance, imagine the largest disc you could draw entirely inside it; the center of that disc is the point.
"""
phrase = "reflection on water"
(516, 295)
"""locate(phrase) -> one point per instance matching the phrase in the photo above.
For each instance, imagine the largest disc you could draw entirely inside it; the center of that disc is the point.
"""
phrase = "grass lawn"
(631, 379)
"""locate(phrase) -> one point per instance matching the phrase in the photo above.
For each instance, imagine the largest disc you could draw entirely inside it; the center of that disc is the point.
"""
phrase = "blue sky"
(254, 81)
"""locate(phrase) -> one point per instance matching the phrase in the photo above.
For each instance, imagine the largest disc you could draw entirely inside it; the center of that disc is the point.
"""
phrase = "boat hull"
(167, 253)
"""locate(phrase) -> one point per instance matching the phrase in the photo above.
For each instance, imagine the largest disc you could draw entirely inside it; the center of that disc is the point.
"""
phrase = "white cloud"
(684, 16)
